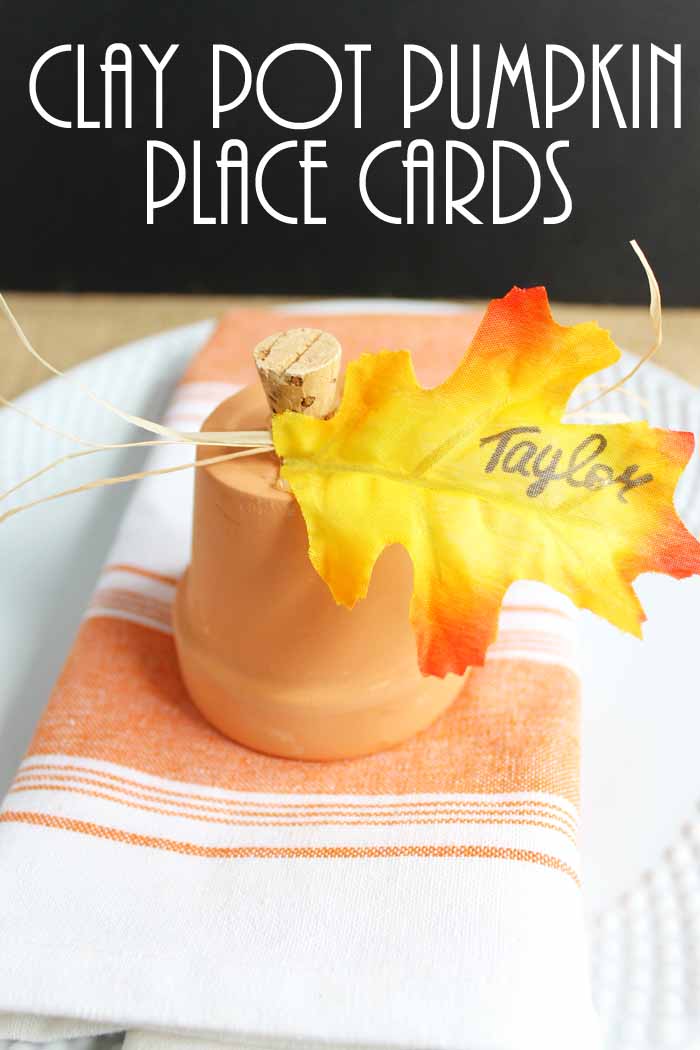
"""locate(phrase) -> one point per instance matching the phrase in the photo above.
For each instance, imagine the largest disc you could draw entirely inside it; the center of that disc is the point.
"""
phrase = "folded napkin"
(158, 878)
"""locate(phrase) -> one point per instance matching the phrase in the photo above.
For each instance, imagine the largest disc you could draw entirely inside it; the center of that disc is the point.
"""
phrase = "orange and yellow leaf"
(483, 484)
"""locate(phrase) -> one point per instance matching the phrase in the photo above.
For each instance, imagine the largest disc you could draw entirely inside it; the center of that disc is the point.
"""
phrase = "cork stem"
(299, 371)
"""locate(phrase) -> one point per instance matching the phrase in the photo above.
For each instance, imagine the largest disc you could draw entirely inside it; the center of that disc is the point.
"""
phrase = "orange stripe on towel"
(112, 600)
(47, 820)
(269, 822)
(66, 773)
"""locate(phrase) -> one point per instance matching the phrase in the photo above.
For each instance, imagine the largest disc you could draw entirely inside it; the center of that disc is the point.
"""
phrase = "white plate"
(641, 716)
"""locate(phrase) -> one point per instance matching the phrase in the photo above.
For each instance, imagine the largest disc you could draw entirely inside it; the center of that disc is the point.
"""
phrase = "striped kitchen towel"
(158, 878)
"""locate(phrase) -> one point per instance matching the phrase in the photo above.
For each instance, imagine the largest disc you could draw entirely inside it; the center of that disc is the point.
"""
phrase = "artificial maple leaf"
(482, 483)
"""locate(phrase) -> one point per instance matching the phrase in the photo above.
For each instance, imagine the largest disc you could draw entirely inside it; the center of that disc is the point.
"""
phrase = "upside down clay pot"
(266, 654)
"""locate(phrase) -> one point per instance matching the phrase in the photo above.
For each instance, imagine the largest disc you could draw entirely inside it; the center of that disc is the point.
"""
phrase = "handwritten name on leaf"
(543, 463)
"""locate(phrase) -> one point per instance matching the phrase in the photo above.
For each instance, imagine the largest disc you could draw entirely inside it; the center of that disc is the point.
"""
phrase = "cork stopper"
(299, 371)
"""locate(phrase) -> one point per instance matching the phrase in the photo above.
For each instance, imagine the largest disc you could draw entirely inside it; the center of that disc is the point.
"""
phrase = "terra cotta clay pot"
(266, 654)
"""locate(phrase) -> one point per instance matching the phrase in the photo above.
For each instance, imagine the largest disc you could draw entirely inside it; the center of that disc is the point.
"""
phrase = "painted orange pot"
(266, 654)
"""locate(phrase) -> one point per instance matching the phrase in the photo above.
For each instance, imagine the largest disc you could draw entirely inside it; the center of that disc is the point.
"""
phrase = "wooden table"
(68, 329)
